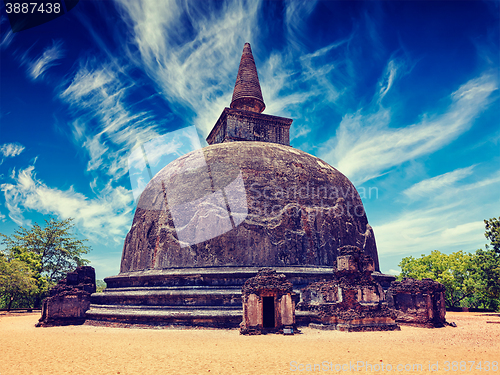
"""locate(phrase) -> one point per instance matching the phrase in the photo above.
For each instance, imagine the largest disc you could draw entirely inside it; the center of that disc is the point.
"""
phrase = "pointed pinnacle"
(247, 94)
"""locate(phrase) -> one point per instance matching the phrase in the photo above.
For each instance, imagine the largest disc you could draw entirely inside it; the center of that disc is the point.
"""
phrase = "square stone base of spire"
(240, 125)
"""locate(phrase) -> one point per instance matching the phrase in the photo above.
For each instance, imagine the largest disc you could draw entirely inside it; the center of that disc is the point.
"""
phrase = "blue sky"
(401, 97)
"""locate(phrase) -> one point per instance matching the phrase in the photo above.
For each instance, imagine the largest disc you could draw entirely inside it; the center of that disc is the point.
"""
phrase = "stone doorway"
(268, 312)
(267, 304)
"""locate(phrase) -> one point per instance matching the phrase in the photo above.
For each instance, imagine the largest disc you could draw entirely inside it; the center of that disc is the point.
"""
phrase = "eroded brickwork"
(240, 125)
(418, 303)
(69, 299)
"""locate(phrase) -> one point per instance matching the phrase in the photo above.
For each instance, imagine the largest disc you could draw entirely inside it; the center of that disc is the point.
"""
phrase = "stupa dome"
(246, 204)
(211, 219)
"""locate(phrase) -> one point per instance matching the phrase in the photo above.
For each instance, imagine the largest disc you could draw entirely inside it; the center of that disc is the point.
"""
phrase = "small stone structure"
(267, 304)
(418, 303)
(352, 300)
(69, 299)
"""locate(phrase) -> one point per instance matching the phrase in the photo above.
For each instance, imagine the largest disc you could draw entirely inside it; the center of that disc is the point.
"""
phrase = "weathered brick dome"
(208, 221)
(246, 204)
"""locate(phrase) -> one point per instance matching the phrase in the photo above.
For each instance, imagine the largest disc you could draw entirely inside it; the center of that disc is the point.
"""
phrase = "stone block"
(253, 311)
(346, 262)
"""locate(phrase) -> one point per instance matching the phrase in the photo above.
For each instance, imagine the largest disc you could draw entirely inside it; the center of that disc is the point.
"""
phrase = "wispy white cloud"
(7, 38)
(297, 132)
(462, 232)
(296, 15)
(365, 146)
(435, 184)
(192, 50)
(106, 217)
(421, 231)
(10, 150)
(105, 125)
(448, 219)
(87, 81)
(38, 66)
(296, 84)
(388, 79)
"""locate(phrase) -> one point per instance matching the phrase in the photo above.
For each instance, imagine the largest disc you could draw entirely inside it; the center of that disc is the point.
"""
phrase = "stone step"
(164, 316)
(212, 276)
(176, 316)
(166, 308)
(169, 297)
(168, 288)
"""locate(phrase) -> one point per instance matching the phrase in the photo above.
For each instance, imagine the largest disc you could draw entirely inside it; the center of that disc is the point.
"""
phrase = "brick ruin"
(268, 305)
(418, 303)
(69, 299)
(352, 300)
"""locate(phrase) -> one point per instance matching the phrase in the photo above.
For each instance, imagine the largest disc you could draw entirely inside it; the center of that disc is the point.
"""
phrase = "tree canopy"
(493, 233)
(450, 270)
(16, 281)
(43, 254)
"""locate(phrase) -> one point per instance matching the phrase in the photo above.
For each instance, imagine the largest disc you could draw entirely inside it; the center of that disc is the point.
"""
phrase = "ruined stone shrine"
(211, 219)
(267, 304)
(419, 303)
(69, 299)
(352, 300)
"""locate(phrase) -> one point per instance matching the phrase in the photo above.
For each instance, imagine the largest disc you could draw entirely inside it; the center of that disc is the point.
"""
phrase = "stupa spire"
(244, 120)
(247, 94)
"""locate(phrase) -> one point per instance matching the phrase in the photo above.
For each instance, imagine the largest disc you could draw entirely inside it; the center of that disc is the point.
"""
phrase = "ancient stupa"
(211, 219)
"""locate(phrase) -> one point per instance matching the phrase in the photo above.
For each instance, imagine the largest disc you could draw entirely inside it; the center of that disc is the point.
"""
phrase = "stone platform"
(187, 297)
(208, 297)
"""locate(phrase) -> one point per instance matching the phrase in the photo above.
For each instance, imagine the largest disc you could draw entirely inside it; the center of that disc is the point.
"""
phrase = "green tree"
(16, 281)
(453, 271)
(100, 285)
(487, 268)
(49, 252)
(493, 233)
(486, 276)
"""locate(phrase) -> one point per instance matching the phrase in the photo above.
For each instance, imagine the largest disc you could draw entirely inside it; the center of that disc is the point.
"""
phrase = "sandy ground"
(25, 349)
